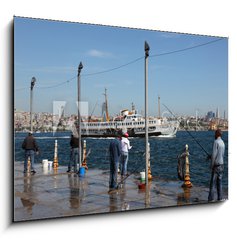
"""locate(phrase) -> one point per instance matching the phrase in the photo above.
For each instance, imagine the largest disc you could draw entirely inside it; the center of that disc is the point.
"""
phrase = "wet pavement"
(55, 193)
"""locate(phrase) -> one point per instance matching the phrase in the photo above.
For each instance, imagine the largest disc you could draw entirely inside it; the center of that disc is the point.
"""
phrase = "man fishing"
(115, 153)
(30, 146)
(217, 166)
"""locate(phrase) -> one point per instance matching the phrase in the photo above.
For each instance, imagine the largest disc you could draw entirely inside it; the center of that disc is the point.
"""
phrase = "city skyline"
(188, 72)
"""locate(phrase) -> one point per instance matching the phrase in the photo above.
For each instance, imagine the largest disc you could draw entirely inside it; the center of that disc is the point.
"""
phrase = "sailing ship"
(127, 121)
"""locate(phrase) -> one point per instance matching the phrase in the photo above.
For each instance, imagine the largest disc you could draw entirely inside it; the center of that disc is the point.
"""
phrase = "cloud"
(99, 54)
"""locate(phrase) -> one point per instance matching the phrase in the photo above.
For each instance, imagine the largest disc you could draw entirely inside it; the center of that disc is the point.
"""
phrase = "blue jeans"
(31, 154)
(124, 163)
(216, 181)
(73, 159)
(114, 163)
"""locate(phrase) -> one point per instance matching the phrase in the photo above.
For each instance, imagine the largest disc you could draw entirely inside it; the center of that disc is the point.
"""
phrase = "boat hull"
(109, 135)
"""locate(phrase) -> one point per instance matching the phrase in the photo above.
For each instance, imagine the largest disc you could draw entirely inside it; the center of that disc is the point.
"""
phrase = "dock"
(54, 193)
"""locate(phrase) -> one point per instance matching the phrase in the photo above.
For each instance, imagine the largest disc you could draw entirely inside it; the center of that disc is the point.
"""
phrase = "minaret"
(217, 113)
(106, 106)
(159, 107)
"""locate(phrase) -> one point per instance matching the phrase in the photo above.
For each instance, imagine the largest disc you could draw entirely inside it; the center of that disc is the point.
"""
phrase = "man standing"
(115, 152)
(30, 146)
(217, 166)
(125, 147)
(74, 143)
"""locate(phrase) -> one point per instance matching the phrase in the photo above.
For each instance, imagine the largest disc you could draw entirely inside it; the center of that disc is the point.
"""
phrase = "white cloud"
(99, 54)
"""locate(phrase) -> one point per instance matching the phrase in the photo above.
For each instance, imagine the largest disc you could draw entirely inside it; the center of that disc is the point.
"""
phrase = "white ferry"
(130, 122)
(133, 124)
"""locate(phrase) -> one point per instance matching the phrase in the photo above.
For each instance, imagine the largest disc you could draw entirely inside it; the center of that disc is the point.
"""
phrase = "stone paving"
(55, 193)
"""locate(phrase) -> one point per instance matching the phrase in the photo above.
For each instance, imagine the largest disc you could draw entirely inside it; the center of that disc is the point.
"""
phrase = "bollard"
(187, 183)
(84, 163)
(149, 163)
(28, 164)
(55, 161)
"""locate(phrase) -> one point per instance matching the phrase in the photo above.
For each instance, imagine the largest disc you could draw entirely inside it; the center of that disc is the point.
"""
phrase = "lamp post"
(147, 48)
(78, 107)
(32, 84)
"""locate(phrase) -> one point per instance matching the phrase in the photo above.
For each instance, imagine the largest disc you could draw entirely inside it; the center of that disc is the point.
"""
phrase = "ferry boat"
(127, 121)
(133, 124)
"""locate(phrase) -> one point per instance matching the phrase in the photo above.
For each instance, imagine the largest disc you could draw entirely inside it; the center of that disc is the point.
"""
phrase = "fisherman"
(125, 147)
(115, 153)
(74, 143)
(217, 166)
(30, 146)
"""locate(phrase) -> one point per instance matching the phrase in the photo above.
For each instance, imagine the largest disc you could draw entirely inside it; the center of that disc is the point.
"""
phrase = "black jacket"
(29, 143)
(74, 143)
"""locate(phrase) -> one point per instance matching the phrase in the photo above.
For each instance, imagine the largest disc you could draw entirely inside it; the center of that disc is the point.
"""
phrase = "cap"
(126, 135)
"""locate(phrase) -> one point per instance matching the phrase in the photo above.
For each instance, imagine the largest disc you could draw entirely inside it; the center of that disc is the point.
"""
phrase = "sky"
(188, 72)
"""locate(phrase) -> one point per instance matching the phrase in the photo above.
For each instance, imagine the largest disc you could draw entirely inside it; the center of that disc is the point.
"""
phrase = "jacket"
(29, 143)
(74, 142)
(218, 151)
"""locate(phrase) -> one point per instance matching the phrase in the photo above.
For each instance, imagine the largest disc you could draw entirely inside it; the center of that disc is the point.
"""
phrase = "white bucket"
(143, 176)
(45, 163)
(50, 164)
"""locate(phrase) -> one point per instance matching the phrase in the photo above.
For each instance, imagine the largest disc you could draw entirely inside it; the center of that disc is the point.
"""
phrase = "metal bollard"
(84, 163)
(55, 161)
(149, 163)
(28, 164)
(187, 183)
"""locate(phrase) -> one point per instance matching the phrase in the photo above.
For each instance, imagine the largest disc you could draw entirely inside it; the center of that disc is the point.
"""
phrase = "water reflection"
(117, 199)
(183, 198)
(78, 186)
(28, 190)
(147, 190)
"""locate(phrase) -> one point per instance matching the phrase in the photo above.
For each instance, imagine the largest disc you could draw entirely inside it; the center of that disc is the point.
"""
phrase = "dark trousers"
(31, 154)
(114, 163)
(216, 182)
(73, 159)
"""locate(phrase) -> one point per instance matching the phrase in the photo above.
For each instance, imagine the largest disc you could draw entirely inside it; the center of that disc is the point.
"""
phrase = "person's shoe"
(68, 170)
(33, 171)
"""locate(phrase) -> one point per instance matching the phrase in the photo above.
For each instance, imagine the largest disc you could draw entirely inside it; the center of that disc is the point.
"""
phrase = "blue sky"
(189, 80)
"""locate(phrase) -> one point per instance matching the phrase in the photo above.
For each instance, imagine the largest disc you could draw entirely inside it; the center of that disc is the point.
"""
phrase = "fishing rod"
(134, 171)
(188, 132)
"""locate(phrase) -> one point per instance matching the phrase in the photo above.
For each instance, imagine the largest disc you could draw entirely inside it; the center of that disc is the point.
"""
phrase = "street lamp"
(147, 48)
(32, 84)
(78, 107)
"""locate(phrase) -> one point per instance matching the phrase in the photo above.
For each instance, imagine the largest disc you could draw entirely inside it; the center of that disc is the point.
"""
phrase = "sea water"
(163, 153)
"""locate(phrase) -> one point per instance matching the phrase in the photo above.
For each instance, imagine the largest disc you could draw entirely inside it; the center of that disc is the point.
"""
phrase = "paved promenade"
(53, 194)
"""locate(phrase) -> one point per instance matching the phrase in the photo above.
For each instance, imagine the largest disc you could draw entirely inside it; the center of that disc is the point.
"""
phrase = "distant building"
(210, 116)
(217, 113)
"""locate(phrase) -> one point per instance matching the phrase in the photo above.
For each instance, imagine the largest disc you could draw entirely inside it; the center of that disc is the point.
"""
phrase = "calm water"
(164, 153)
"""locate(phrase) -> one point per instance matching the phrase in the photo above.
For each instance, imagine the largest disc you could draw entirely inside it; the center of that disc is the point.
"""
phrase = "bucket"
(143, 176)
(45, 163)
(142, 186)
(81, 171)
(50, 163)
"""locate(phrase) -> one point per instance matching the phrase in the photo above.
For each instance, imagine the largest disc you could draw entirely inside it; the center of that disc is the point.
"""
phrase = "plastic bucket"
(45, 163)
(143, 176)
(82, 171)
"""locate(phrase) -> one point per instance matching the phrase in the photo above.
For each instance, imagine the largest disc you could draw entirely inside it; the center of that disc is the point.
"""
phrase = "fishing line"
(188, 132)
(134, 171)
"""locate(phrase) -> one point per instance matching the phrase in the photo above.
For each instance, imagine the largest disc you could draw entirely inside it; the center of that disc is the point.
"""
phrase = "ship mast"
(158, 106)
(106, 106)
